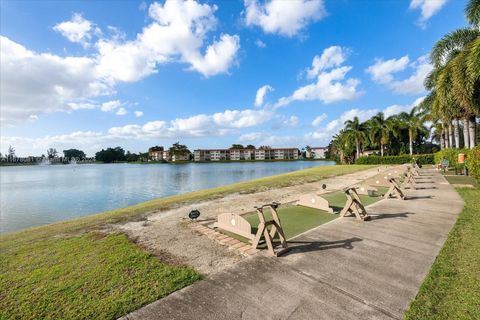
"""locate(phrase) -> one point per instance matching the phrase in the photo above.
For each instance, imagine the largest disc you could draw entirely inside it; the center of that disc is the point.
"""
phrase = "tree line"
(452, 104)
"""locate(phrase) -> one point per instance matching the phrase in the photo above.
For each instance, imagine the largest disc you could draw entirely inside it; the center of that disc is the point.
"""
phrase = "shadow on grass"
(309, 246)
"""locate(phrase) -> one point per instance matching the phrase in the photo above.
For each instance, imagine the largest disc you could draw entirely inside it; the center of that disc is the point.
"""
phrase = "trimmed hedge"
(405, 158)
(472, 163)
(451, 154)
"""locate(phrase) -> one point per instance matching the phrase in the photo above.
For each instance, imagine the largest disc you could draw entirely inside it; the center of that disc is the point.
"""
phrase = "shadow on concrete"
(418, 197)
(308, 246)
(426, 188)
(378, 216)
(423, 181)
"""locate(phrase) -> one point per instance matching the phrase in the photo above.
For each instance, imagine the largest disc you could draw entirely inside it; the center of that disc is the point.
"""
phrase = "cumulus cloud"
(177, 33)
(331, 84)
(78, 29)
(333, 56)
(260, 96)
(33, 83)
(138, 114)
(286, 18)
(428, 8)
(383, 72)
(318, 120)
(330, 87)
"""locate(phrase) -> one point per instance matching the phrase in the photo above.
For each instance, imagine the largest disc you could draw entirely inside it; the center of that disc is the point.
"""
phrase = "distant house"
(367, 153)
(156, 153)
(316, 153)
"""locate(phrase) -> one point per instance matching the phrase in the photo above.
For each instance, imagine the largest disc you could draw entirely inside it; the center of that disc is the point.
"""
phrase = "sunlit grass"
(452, 288)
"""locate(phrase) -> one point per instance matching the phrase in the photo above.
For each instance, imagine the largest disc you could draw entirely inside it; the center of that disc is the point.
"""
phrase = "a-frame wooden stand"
(270, 235)
(394, 190)
(354, 205)
(410, 180)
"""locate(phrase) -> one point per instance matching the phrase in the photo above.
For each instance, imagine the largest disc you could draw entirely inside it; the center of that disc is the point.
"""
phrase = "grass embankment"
(451, 290)
(69, 270)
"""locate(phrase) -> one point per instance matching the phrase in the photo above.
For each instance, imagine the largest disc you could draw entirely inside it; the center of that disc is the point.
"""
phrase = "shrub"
(451, 154)
(473, 162)
(406, 158)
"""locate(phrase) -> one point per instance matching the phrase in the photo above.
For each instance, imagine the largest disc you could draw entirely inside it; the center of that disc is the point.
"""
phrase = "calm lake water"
(37, 195)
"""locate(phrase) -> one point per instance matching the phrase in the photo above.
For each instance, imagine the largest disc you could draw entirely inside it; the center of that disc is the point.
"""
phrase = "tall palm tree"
(456, 74)
(355, 131)
(381, 129)
(414, 123)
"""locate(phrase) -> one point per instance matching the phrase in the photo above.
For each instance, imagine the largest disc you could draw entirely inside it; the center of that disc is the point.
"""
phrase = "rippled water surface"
(36, 195)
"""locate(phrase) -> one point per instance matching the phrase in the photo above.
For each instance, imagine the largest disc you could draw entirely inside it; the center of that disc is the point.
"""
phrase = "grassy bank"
(69, 269)
(452, 288)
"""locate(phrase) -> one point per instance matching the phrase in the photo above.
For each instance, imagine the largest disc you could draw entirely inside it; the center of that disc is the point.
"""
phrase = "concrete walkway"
(341, 270)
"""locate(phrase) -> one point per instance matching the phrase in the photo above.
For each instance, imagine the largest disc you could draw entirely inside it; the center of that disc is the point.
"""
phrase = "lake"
(37, 195)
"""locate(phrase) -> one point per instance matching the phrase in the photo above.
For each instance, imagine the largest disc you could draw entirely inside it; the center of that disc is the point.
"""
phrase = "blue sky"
(94, 74)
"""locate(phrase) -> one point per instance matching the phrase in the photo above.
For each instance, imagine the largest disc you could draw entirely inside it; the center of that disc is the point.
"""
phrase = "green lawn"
(451, 290)
(91, 276)
(461, 180)
(66, 270)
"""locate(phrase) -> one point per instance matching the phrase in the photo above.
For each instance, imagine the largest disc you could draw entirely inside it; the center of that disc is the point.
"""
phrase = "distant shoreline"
(20, 164)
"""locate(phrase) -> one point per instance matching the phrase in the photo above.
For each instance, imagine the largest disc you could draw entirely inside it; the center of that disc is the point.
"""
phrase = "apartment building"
(156, 153)
(316, 153)
(245, 154)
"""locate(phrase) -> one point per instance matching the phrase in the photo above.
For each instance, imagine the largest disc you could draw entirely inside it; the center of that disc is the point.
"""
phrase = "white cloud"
(178, 33)
(318, 120)
(383, 72)
(110, 105)
(331, 83)
(260, 96)
(414, 83)
(121, 112)
(78, 29)
(330, 87)
(252, 136)
(138, 114)
(333, 56)
(260, 44)
(428, 8)
(286, 18)
(115, 106)
(35, 83)
(292, 121)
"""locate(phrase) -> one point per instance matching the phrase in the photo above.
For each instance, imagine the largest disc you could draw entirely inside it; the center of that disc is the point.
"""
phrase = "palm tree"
(457, 73)
(414, 123)
(381, 128)
(355, 130)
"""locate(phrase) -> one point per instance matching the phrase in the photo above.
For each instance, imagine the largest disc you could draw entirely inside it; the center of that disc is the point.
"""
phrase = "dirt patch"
(167, 232)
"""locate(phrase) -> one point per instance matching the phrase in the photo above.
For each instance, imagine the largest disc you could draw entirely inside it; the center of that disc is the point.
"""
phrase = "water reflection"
(36, 195)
